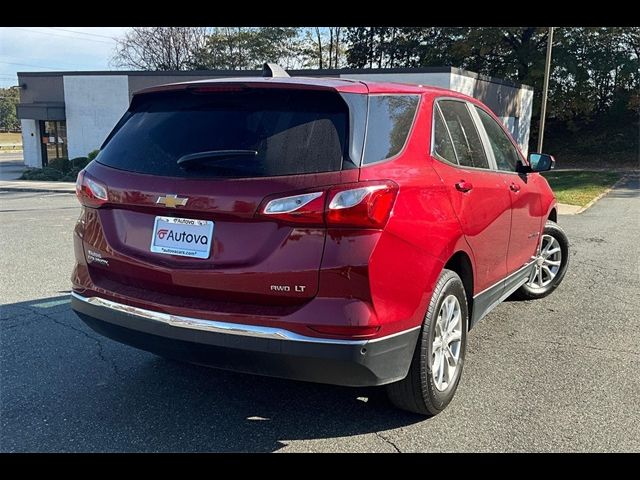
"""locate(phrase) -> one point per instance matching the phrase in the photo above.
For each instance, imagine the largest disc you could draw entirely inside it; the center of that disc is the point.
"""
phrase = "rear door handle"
(514, 187)
(463, 186)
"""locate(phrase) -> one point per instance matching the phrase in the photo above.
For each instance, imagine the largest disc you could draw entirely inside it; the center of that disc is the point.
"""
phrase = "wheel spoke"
(454, 336)
(555, 263)
(540, 280)
(451, 308)
(453, 321)
(451, 359)
(437, 360)
(552, 251)
(444, 371)
(549, 272)
(437, 343)
(438, 329)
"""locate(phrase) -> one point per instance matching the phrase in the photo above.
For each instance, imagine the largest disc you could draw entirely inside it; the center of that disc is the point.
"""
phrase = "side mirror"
(541, 162)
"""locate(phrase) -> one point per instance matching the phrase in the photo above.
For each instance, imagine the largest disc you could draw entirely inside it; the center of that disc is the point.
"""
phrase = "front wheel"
(550, 264)
(437, 362)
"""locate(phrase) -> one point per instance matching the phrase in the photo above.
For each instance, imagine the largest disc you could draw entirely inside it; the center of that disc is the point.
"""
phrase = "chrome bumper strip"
(222, 327)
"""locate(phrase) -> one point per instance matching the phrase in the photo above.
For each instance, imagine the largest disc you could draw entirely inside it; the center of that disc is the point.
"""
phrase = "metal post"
(545, 89)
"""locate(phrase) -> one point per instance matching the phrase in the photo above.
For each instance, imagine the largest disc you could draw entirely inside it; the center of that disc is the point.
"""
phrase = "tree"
(246, 48)
(159, 48)
(9, 98)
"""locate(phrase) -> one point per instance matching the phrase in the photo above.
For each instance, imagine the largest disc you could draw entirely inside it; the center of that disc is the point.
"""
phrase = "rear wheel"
(550, 264)
(439, 356)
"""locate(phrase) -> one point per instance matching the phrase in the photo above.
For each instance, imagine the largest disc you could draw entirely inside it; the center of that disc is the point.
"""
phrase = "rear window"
(244, 133)
(388, 125)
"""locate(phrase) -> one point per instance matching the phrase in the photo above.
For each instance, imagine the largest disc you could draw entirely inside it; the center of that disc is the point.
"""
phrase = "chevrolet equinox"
(327, 230)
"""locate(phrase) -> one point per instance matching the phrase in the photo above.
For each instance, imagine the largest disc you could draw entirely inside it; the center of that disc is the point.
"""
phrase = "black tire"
(528, 292)
(417, 392)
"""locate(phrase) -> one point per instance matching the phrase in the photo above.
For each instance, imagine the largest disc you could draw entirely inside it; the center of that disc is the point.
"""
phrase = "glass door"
(54, 140)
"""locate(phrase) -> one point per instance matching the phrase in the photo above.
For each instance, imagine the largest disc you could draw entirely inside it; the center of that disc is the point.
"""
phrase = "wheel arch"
(460, 262)
(553, 215)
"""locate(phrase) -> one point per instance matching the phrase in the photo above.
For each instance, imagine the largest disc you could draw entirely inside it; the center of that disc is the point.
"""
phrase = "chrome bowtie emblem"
(172, 201)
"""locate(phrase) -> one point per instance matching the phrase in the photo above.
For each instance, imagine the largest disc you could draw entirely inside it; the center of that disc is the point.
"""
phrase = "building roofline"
(253, 73)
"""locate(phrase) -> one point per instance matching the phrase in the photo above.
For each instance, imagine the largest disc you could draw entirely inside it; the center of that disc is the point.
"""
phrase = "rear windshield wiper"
(213, 155)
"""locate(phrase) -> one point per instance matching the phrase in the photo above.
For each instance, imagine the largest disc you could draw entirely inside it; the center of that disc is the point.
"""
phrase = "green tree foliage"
(595, 72)
(242, 48)
(595, 69)
(9, 98)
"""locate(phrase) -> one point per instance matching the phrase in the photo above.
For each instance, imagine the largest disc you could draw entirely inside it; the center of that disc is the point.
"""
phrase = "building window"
(54, 140)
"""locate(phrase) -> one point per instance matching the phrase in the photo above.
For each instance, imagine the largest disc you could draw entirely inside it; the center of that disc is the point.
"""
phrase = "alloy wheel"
(547, 263)
(446, 343)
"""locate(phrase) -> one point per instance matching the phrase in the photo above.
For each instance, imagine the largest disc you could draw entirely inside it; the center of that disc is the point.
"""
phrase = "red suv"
(328, 230)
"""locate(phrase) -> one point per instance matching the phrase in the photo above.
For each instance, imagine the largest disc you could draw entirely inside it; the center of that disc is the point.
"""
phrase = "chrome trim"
(223, 327)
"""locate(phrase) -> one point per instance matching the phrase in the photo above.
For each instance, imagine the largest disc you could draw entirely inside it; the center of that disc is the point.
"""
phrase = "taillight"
(307, 208)
(90, 192)
(366, 206)
(360, 205)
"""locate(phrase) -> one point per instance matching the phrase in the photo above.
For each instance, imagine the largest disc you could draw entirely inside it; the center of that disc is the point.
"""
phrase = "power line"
(63, 36)
(30, 65)
(82, 33)
(43, 60)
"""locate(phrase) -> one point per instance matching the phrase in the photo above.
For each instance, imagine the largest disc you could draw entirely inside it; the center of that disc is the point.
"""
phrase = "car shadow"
(111, 397)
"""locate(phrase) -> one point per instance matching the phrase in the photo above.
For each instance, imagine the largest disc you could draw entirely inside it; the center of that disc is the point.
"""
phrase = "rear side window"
(503, 150)
(389, 122)
(243, 133)
(442, 145)
(464, 134)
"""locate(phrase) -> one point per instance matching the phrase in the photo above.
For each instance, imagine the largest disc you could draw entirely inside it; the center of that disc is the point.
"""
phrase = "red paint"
(367, 271)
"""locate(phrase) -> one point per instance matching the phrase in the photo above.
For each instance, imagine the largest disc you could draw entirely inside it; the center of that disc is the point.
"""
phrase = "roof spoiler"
(273, 70)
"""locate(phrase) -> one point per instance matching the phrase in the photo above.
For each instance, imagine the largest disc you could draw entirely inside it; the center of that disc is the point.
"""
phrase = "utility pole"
(545, 89)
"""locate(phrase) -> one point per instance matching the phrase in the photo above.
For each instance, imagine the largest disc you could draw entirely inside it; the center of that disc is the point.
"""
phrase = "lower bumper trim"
(271, 352)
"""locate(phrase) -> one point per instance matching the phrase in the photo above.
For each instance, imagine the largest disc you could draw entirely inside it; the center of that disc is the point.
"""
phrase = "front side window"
(503, 150)
(390, 120)
(464, 134)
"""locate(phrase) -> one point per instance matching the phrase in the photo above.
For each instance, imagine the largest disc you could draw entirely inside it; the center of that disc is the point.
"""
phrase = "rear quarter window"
(388, 125)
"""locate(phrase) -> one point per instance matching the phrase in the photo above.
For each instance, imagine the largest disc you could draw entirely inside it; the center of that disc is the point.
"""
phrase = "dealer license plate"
(184, 237)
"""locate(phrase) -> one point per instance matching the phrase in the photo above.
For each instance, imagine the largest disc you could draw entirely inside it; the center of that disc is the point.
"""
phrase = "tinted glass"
(442, 145)
(389, 123)
(503, 150)
(292, 131)
(464, 134)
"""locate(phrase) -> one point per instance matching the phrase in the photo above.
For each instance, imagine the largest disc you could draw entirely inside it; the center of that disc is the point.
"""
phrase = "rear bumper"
(252, 349)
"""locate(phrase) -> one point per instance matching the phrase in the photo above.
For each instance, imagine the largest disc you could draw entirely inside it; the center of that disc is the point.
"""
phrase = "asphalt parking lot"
(559, 374)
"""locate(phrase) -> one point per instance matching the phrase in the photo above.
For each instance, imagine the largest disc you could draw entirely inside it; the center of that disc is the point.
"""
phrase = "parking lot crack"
(97, 340)
(388, 441)
(588, 347)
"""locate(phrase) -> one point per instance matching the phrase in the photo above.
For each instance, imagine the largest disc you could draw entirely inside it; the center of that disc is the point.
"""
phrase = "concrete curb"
(566, 209)
(37, 186)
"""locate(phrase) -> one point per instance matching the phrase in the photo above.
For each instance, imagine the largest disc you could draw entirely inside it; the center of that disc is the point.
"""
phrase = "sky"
(46, 49)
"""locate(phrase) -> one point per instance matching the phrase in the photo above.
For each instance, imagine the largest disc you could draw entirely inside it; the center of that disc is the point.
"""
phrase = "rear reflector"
(359, 205)
(346, 331)
(90, 192)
